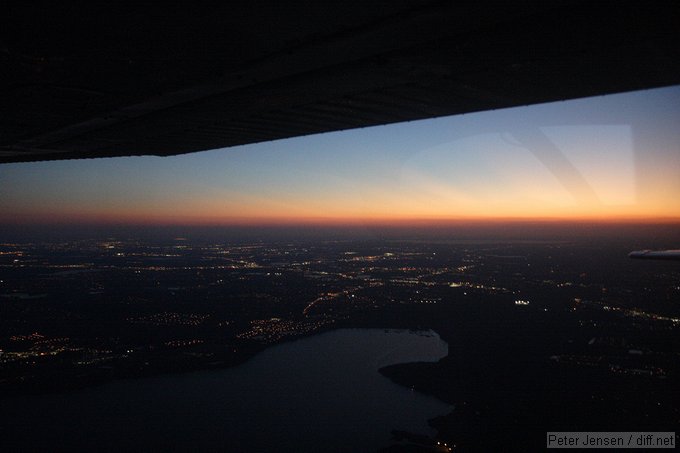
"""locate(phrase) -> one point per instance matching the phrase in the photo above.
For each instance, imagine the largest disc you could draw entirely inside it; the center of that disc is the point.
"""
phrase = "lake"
(318, 393)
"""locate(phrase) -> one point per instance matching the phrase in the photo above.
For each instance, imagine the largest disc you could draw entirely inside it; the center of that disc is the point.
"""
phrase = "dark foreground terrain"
(550, 335)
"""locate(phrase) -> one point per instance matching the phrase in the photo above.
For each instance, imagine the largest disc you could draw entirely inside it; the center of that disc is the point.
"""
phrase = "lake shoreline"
(309, 380)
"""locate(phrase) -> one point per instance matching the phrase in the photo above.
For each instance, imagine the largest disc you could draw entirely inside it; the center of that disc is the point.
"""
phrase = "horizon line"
(354, 222)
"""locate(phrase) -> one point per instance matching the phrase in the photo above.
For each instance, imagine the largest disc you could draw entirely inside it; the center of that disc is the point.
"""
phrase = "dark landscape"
(544, 335)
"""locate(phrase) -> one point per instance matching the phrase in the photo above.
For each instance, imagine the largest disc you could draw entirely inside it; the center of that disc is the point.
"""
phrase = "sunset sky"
(605, 158)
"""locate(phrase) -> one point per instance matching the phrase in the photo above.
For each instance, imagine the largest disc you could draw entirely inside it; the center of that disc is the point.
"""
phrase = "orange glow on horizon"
(164, 219)
(436, 205)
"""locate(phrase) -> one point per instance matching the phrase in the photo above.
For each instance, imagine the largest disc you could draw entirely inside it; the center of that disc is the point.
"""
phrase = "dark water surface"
(320, 393)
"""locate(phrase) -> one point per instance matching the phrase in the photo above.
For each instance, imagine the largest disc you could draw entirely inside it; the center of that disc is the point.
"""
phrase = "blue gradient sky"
(608, 157)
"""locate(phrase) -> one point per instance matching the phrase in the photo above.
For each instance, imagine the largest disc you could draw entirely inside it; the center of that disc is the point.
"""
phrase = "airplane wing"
(656, 255)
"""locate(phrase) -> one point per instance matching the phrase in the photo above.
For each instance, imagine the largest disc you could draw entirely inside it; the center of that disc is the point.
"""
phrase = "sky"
(606, 158)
